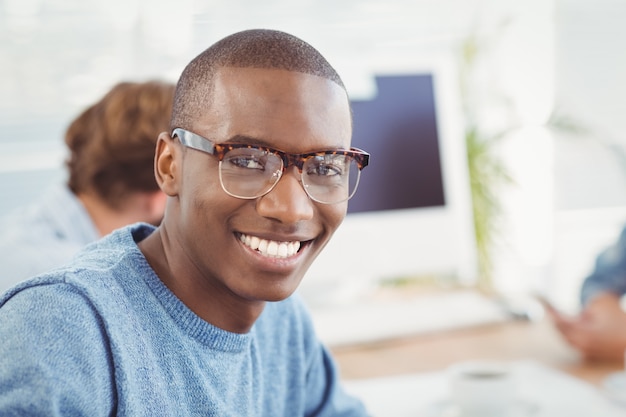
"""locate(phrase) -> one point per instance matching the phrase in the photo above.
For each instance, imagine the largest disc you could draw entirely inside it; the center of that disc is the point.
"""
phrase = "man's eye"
(326, 170)
(248, 162)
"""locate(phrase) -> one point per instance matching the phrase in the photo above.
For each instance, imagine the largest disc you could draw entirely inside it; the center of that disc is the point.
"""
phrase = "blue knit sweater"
(104, 337)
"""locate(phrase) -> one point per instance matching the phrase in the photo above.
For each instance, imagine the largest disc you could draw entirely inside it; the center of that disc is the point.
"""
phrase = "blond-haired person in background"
(110, 182)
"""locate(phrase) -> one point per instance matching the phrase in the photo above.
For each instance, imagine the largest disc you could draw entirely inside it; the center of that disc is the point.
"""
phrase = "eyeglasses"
(250, 171)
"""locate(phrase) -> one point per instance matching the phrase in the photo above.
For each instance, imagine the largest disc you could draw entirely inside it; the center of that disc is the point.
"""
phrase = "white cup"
(482, 388)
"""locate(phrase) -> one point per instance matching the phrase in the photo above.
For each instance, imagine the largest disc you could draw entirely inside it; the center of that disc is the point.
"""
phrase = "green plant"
(487, 172)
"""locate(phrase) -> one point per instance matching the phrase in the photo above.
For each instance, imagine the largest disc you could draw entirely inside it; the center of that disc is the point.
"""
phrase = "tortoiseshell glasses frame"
(249, 171)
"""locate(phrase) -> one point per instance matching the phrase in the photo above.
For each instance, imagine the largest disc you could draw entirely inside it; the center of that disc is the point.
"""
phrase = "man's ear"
(166, 164)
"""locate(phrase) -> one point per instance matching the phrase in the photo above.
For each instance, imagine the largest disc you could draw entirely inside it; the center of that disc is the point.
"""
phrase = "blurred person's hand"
(599, 331)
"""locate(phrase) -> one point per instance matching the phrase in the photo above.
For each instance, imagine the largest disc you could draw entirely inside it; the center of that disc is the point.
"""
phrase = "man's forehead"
(243, 84)
(311, 117)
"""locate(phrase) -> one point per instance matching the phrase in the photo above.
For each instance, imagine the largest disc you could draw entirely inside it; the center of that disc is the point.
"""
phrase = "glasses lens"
(249, 172)
(330, 178)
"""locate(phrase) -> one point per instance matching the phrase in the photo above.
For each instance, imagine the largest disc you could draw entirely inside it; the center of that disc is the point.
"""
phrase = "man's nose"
(287, 202)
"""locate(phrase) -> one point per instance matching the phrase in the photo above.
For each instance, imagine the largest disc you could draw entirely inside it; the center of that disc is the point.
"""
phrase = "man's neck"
(215, 305)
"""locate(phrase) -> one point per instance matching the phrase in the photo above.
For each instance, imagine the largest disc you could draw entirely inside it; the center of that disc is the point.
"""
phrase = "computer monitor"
(411, 216)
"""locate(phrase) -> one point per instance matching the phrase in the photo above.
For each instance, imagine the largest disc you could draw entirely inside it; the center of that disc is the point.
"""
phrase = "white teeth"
(283, 249)
(271, 248)
(263, 246)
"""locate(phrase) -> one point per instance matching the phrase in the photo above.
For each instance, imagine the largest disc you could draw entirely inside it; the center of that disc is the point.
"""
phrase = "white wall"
(591, 90)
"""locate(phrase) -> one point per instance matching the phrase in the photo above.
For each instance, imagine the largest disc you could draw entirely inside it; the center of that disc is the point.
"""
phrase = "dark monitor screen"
(399, 129)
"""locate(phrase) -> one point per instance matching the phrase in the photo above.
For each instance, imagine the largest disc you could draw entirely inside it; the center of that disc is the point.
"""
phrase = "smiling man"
(197, 317)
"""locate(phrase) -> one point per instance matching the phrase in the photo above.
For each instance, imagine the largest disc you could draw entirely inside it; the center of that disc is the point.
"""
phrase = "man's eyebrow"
(248, 140)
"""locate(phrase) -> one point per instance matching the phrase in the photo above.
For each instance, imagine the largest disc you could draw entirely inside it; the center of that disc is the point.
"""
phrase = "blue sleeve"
(324, 383)
(326, 396)
(609, 274)
(53, 355)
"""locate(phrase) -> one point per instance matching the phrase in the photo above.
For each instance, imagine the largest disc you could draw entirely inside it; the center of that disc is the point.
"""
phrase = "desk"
(516, 340)
(404, 377)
